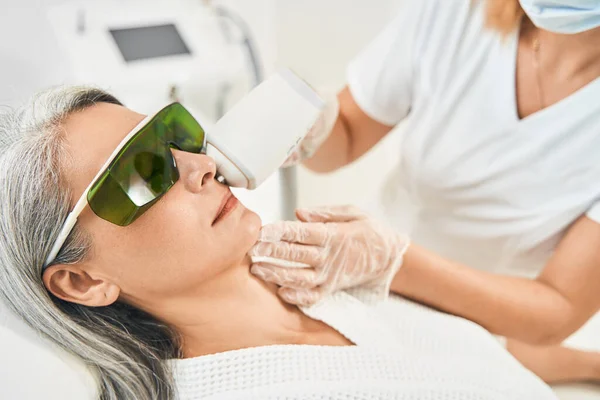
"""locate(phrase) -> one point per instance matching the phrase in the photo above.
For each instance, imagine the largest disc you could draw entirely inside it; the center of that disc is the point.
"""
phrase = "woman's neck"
(567, 56)
(234, 311)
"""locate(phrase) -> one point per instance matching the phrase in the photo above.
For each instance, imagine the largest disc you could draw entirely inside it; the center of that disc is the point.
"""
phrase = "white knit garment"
(403, 351)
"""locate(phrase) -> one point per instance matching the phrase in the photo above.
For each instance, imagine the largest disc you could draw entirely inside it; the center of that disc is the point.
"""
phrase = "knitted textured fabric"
(403, 351)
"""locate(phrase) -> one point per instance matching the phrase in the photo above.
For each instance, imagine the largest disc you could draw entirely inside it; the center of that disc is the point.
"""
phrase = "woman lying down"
(152, 289)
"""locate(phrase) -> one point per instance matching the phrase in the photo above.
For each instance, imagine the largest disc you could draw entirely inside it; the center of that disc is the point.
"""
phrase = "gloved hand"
(343, 247)
(318, 133)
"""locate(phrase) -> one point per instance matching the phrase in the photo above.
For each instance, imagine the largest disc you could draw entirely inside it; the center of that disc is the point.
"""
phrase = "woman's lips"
(229, 203)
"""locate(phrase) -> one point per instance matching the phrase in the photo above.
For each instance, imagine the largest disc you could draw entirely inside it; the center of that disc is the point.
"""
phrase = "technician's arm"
(346, 248)
(542, 311)
(353, 134)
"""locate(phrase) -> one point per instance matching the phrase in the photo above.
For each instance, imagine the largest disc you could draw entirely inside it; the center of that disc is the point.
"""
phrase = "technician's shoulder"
(445, 24)
(443, 10)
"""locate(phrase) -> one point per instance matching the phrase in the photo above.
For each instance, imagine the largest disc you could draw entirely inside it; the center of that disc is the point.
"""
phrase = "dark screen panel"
(149, 42)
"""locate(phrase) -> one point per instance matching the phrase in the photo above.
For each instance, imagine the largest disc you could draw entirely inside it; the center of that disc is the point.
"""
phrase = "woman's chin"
(251, 224)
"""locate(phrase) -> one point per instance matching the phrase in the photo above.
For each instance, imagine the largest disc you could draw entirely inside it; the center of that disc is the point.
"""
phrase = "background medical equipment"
(149, 53)
(256, 136)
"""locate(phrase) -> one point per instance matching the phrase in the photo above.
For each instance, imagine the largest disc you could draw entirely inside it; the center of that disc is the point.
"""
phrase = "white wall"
(30, 59)
(317, 39)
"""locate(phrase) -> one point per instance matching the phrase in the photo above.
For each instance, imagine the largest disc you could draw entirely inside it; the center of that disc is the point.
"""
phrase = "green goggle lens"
(145, 169)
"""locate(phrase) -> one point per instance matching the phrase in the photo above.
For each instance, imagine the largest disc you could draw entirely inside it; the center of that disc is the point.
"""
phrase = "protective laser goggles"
(140, 170)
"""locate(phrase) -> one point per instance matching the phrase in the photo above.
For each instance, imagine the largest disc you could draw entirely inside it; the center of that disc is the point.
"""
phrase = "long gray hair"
(125, 346)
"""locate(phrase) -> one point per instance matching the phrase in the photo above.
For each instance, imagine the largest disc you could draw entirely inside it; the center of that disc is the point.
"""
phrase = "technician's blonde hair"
(504, 16)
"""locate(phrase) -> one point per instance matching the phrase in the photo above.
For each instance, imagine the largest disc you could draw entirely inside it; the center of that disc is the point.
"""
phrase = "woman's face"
(174, 248)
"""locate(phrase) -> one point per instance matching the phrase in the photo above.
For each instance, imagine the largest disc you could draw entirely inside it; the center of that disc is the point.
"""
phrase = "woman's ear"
(72, 283)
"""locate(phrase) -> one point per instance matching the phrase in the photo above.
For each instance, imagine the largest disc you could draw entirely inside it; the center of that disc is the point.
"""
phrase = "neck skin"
(234, 311)
(566, 56)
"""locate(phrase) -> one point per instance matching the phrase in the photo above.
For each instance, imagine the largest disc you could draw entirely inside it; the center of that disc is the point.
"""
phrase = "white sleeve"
(380, 78)
(594, 212)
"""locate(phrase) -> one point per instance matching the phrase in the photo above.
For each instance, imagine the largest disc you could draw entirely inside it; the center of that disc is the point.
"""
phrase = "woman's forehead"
(91, 135)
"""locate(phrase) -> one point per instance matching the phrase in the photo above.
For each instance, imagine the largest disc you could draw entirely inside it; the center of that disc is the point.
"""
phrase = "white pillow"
(34, 368)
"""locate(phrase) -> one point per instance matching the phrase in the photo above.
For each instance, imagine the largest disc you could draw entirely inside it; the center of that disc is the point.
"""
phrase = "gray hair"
(125, 347)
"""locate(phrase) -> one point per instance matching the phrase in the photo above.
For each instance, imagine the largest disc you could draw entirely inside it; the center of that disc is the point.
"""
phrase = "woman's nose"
(195, 170)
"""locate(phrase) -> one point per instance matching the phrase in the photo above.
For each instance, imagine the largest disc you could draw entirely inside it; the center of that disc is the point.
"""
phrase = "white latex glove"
(342, 246)
(318, 133)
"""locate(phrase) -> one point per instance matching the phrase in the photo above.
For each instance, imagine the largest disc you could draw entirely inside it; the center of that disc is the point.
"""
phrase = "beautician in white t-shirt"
(500, 157)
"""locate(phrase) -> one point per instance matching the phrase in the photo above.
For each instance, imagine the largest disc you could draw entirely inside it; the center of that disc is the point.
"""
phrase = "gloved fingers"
(294, 231)
(322, 127)
(294, 278)
(311, 255)
(293, 159)
(300, 297)
(344, 213)
(332, 108)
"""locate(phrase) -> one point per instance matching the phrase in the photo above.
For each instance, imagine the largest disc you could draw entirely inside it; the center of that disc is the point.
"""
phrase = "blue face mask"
(563, 16)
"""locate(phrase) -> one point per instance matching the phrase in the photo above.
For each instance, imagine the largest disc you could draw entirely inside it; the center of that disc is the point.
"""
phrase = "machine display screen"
(149, 42)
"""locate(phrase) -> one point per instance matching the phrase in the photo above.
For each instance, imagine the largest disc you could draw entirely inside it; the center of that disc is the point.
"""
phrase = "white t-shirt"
(489, 190)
